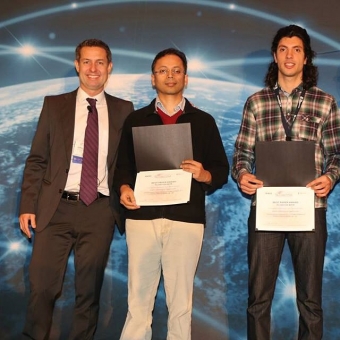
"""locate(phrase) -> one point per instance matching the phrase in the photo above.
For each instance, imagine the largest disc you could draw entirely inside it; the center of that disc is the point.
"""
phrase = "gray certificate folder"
(285, 164)
(162, 147)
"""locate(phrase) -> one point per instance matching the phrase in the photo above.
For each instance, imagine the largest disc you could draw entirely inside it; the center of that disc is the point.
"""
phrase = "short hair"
(310, 71)
(94, 43)
(171, 51)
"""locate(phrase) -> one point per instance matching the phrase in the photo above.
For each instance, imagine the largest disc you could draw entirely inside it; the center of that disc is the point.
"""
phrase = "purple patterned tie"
(89, 173)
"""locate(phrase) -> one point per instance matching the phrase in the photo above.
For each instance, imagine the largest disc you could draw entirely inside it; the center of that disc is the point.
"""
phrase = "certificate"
(285, 209)
(162, 187)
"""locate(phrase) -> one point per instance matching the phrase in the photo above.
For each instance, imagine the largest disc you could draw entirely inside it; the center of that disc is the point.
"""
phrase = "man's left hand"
(321, 186)
(197, 170)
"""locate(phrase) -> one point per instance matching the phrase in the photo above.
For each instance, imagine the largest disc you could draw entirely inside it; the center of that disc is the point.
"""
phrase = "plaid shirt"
(318, 120)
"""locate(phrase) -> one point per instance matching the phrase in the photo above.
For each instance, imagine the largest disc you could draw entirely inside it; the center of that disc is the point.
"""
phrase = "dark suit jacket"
(48, 163)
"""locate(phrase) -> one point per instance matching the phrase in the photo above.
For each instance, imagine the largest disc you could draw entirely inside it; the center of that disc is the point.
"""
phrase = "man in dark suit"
(51, 198)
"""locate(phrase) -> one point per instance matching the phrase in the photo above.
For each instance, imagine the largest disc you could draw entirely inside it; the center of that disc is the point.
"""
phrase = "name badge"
(77, 159)
(78, 150)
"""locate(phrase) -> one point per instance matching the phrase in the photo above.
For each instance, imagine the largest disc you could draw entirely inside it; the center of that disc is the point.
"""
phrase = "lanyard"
(288, 127)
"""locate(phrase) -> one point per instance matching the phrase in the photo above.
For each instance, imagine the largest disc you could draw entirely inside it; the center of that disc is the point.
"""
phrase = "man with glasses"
(167, 238)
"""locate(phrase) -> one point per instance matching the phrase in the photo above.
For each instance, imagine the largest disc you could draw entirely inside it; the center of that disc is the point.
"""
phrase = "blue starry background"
(228, 48)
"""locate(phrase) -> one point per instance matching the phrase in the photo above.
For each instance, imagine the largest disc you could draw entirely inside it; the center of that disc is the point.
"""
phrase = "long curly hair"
(310, 71)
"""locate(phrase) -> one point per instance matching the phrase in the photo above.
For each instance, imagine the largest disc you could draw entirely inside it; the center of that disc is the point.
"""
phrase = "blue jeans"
(264, 255)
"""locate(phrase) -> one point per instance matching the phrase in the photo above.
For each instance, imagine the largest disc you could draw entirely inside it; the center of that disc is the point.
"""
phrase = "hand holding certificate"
(159, 181)
(284, 203)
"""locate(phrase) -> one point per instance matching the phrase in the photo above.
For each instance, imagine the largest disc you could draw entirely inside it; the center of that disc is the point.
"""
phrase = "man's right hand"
(248, 183)
(27, 220)
(127, 197)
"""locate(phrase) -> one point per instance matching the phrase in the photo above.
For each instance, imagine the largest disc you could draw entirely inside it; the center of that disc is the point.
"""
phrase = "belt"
(74, 196)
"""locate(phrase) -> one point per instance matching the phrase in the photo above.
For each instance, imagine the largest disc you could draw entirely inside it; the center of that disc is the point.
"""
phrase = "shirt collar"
(179, 106)
(82, 95)
(297, 89)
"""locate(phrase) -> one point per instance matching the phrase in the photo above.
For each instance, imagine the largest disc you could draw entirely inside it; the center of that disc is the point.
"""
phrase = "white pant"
(153, 246)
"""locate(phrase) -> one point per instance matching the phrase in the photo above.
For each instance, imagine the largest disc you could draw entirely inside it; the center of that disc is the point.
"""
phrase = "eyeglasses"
(165, 71)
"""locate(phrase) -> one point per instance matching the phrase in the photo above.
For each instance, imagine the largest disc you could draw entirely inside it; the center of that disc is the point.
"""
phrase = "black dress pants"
(264, 255)
(88, 230)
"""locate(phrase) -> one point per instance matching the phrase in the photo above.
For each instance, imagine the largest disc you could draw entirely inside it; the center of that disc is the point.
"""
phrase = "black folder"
(162, 147)
(286, 163)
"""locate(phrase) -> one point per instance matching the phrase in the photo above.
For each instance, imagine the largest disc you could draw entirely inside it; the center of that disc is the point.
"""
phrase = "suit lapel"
(67, 117)
(114, 127)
